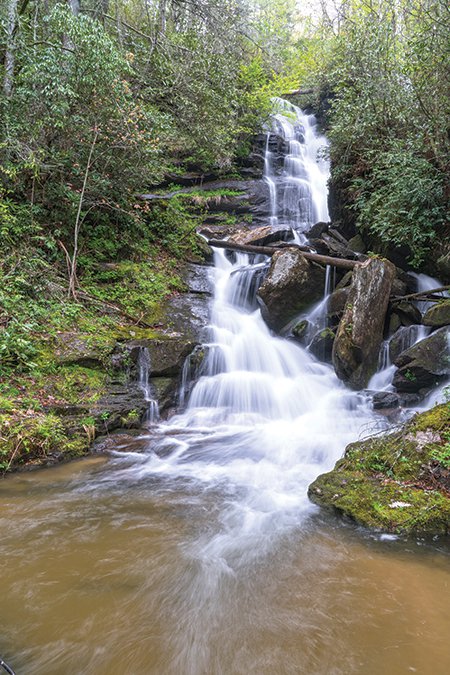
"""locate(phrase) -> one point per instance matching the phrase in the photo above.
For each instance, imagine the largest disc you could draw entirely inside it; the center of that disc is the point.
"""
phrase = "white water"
(297, 192)
(171, 550)
(427, 283)
(264, 419)
(410, 335)
(152, 413)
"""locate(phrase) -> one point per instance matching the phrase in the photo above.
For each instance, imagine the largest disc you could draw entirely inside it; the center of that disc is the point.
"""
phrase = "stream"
(193, 549)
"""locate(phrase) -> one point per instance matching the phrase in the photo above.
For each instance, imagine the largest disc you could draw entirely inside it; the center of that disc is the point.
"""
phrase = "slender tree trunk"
(73, 282)
(75, 6)
(10, 48)
(162, 17)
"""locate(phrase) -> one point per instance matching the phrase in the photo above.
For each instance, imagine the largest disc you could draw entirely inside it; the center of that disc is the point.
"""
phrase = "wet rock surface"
(360, 332)
(383, 400)
(424, 365)
(198, 279)
(438, 315)
(291, 285)
(261, 236)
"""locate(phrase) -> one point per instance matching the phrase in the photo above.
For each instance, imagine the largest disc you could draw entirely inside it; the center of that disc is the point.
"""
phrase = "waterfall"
(298, 189)
(426, 283)
(143, 363)
(263, 417)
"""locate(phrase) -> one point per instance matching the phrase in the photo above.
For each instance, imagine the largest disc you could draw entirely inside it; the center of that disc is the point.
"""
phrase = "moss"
(397, 482)
(124, 333)
(438, 419)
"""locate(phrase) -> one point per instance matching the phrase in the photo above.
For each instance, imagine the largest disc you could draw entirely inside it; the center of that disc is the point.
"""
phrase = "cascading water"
(406, 337)
(143, 364)
(195, 551)
(264, 419)
(298, 187)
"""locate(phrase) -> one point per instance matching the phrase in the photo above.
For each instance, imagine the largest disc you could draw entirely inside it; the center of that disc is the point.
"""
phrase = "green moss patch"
(396, 483)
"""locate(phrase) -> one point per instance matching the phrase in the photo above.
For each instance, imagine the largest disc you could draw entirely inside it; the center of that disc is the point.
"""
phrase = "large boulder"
(397, 483)
(291, 285)
(425, 364)
(360, 331)
(438, 315)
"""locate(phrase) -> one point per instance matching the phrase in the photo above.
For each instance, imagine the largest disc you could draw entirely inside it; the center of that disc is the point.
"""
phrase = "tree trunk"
(73, 281)
(74, 6)
(10, 48)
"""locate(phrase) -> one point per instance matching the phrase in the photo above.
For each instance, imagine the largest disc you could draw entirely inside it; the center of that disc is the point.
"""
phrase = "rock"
(167, 354)
(399, 287)
(165, 390)
(345, 281)
(322, 344)
(203, 253)
(330, 245)
(357, 244)
(122, 405)
(393, 483)
(383, 400)
(317, 230)
(438, 315)
(402, 340)
(187, 315)
(360, 331)
(214, 229)
(409, 400)
(408, 313)
(260, 235)
(198, 279)
(425, 364)
(301, 329)
(337, 301)
(291, 285)
(394, 323)
(443, 266)
(80, 350)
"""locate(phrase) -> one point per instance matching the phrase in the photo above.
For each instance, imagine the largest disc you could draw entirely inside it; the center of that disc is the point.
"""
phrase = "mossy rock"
(89, 351)
(438, 315)
(397, 483)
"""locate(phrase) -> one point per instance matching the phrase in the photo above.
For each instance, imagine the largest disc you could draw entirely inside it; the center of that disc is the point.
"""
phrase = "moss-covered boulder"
(396, 483)
(438, 315)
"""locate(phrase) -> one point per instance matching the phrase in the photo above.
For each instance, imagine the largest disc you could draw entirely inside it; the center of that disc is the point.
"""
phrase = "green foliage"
(138, 287)
(29, 437)
(16, 348)
(442, 454)
(388, 132)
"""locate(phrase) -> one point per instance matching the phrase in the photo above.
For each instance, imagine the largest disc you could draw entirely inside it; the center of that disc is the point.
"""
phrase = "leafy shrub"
(401, 200)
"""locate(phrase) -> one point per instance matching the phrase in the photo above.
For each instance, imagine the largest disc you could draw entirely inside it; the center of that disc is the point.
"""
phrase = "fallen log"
(423, 295)
(270, 250)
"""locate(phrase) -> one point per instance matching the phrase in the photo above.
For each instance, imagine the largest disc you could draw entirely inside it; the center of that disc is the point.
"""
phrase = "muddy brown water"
(101, 577)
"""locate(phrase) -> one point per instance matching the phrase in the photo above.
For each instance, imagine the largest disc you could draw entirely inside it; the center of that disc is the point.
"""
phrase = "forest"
(224, 337)
(103, 101)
